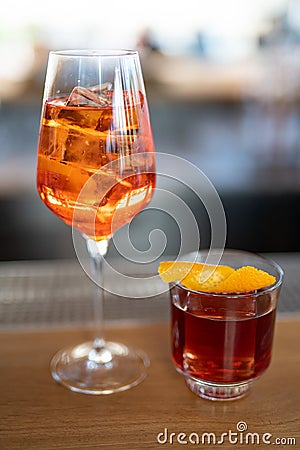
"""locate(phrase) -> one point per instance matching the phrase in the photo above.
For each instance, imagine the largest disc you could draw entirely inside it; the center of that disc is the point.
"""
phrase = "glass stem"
(97, 250)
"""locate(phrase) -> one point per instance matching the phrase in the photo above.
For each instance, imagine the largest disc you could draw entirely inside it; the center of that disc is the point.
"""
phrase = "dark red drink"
(222, 338)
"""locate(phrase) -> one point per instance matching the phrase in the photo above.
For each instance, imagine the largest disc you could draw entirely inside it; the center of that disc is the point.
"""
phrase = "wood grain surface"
(36, 413)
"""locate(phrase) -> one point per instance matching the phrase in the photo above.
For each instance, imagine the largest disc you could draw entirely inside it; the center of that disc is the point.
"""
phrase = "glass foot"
(213, 391)
(120, 368)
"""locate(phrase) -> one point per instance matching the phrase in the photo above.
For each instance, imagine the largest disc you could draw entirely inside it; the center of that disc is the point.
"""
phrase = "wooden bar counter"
(37, 413)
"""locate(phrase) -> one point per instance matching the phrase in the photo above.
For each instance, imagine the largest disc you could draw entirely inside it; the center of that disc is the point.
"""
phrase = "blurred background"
(223, 85)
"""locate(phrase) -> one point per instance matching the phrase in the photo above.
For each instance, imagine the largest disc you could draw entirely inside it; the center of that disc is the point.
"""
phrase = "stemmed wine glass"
(96, 171)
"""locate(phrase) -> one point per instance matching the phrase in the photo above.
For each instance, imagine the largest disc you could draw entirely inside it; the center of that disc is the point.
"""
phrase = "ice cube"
(83, 148)
(101, 88)
(81, 96)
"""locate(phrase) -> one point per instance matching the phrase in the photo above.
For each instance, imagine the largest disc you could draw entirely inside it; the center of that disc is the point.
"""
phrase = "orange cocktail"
(75, 142)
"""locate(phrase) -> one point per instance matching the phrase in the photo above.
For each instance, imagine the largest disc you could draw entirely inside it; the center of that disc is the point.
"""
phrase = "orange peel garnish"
(245, 279)
(195, 276)
(214, 279)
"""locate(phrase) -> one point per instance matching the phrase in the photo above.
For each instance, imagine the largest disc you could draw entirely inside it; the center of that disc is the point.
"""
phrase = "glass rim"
(96, 53)
(253, 293)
